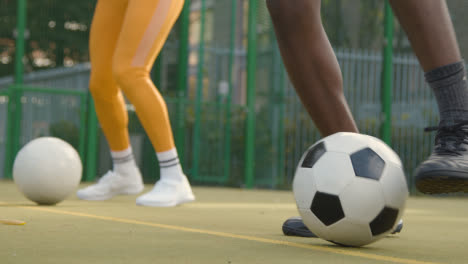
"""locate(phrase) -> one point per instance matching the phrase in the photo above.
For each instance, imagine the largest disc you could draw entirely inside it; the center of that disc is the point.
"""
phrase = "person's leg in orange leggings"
(142, 33)
(146, 27)
(125, 177)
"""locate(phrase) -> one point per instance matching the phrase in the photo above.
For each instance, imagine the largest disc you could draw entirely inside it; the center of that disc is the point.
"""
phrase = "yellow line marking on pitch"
(230, 235)
(12, 222)
(272, 206)
(269, 206)
(242, 205)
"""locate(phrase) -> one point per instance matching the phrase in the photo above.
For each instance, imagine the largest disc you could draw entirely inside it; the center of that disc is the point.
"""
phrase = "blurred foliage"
(353, 24)
(59, 29)
(67, 131)
(359, 25)
(57, 33)
(7, 44)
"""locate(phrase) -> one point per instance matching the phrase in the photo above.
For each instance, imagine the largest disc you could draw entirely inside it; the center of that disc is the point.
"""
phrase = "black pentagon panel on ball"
(367, 164)
(327, 208)
(384, 221)
(313, 155)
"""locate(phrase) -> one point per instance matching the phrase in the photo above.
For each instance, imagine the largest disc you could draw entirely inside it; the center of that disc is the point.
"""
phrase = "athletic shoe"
(112, 184)
(295, 227)
(446, 170)
(167, 193)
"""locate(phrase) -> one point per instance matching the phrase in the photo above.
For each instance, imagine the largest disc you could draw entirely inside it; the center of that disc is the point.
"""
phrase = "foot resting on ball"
(295, 227)
(167, 193)
(112, 184)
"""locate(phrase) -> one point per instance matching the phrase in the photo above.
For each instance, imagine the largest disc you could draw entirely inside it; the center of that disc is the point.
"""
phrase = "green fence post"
(20, 41)
(227, 130)
(9, 136)
(14, 103)
(156, 70)
(251, 81)
(92, 143)
(83, 111)
(387, 76)
(182, 71)
(282, 108)
(199, 98)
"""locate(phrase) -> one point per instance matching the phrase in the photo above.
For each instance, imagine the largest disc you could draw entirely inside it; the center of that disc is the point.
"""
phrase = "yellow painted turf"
(223, 226)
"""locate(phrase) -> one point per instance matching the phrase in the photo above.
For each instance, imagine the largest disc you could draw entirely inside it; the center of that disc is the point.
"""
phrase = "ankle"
(173, 173)
(125, 168)
(170, 169)
(450, 89)
(123, 162)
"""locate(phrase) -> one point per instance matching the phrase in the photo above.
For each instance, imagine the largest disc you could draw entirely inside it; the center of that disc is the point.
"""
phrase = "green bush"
(67, 131)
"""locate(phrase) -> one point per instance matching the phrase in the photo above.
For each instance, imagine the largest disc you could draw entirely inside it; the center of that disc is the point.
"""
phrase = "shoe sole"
(290, 230)
(294, 232)
(440, 183)
(109, 196)
(295, 227)
(172, 204)
(398, 228)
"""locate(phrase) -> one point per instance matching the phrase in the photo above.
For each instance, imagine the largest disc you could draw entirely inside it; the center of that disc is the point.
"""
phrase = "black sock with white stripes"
(123, 161)
(169, 165)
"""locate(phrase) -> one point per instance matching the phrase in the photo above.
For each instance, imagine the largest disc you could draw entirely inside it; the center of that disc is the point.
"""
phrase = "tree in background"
(57, 33)
(354, 24)
(7, 44)
(58, 30)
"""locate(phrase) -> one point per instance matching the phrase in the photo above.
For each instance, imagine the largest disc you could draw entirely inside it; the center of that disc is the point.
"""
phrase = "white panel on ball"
(46, 170)
(332, 172)
(345, 142)
(349, 232)
(394, 186)
(304, 187)
(362, 200)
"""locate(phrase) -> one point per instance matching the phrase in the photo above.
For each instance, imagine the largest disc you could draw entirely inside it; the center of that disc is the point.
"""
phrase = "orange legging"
(126, 37)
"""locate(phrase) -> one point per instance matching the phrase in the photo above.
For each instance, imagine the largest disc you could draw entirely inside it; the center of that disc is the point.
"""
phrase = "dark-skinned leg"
(430, 31)
(311, 63)
(315, 73)
(433, 39)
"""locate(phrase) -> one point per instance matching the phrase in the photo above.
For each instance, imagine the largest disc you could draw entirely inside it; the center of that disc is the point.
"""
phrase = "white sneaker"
(112, 184)
(167, 193)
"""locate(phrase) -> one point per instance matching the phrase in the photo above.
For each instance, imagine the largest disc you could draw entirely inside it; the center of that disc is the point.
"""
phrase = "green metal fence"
(236, 118)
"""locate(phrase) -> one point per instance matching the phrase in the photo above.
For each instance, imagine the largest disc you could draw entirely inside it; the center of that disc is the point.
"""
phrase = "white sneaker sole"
(107, 196)
(165, 204)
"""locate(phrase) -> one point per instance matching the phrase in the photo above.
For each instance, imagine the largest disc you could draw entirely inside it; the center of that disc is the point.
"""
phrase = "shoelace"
(449, 138)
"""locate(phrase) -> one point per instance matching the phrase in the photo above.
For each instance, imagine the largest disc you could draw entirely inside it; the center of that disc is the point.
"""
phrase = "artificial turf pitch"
(223, 226)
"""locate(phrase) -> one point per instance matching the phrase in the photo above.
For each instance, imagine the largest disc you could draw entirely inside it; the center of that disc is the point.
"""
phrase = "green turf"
(118, 231)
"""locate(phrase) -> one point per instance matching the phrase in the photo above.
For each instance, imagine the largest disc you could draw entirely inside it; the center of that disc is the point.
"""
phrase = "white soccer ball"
(47, 170)
(350, 189)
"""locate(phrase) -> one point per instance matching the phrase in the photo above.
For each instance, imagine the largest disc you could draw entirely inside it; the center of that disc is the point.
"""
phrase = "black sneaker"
(295, 227)
(446, 170)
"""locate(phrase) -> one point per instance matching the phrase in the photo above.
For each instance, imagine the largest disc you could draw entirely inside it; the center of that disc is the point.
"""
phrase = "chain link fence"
(208, 97)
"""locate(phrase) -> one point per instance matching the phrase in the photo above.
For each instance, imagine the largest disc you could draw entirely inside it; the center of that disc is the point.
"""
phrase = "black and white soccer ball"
(350, 189)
